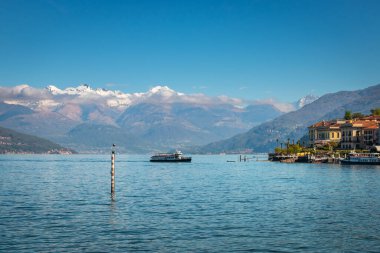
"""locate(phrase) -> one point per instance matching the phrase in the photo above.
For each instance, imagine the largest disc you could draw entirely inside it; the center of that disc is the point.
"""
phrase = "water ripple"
(62, 204)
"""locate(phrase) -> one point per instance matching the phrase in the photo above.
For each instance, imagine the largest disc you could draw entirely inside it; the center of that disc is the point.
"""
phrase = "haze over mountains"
(90, 120)
(15, 142)
(293, 125)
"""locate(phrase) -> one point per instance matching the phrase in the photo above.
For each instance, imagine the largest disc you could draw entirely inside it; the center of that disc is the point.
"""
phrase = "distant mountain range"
(90, 120)
(15, 142)
(293, 125)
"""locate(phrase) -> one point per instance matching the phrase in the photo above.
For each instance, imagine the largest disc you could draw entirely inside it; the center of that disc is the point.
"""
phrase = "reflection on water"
(63, 203)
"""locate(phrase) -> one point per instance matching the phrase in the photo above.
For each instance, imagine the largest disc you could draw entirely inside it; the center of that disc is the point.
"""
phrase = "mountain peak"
(160, 89)
(83, 88)
(53, 89)
(308, 99)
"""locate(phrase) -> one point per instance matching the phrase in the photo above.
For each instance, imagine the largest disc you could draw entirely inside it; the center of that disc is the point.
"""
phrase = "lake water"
(55, 203)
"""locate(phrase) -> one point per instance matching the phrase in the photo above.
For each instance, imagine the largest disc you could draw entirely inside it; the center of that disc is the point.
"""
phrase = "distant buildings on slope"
(360, 133)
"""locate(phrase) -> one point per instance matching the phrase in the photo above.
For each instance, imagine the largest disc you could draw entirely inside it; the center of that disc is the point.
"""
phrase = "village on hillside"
(330, 140)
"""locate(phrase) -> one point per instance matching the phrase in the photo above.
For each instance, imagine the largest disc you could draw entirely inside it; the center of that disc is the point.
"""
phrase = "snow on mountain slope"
(308, 99)
(52, 97)
(171, 118)
(39, 99)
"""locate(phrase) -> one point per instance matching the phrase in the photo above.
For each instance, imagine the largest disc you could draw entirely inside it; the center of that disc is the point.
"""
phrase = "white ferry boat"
(170, 157)
(362, 158)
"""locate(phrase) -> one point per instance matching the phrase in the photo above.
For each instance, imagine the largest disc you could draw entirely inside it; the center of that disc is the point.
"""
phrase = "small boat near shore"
(273, 157)
(288, 160)
(362, 159)
(170, 157)
(308, 158)
(314, 159)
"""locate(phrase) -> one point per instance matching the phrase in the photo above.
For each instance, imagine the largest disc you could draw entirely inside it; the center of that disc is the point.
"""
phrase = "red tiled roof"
(323, 123)
(370, 122)
(372, 117)
(366, 124)
(370, 125)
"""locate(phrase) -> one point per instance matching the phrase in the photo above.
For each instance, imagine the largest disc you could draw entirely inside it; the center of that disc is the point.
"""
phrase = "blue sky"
(245, 49)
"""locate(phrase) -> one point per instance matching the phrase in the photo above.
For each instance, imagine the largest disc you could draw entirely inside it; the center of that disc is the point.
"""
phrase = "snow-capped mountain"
(84, 93)
(308, 99)
(83, 90)
(40, 99)
(84, 118)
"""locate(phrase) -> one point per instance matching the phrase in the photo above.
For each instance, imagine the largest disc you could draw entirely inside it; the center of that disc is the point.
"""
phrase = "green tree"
(334, 145)
(348, 115)
(356, 115)
(278, 150)
(294, 148)
(375, 112)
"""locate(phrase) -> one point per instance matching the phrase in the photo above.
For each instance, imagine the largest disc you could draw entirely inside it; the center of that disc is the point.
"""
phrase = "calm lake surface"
(55, 203)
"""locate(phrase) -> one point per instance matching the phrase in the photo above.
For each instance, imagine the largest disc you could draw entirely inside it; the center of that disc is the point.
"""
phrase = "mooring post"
(113, 171)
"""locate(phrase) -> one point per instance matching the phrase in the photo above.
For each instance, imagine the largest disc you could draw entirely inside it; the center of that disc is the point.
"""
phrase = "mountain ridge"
(15, 142)
(293, 125)
(87, 119)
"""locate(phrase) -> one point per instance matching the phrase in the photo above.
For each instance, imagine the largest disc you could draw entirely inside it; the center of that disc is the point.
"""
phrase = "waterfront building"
(359, 134)
(324, 132)
(350, 135)
(362, 133)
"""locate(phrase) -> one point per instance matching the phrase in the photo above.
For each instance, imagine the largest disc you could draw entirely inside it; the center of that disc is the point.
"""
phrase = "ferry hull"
(170, 158)
(358, 163)
(186, 160)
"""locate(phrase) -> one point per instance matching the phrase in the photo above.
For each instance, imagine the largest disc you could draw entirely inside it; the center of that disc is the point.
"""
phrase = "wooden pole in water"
(113, 171)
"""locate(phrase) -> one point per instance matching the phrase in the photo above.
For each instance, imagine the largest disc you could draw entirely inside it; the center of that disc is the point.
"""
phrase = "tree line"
(355, 115)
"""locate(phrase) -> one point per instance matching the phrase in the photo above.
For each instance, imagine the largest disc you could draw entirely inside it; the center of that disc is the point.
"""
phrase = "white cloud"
(282, 106)
(51, 97)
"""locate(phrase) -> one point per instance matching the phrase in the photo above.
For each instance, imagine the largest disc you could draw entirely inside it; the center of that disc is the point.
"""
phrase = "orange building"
(361, 133)
(324, 132)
